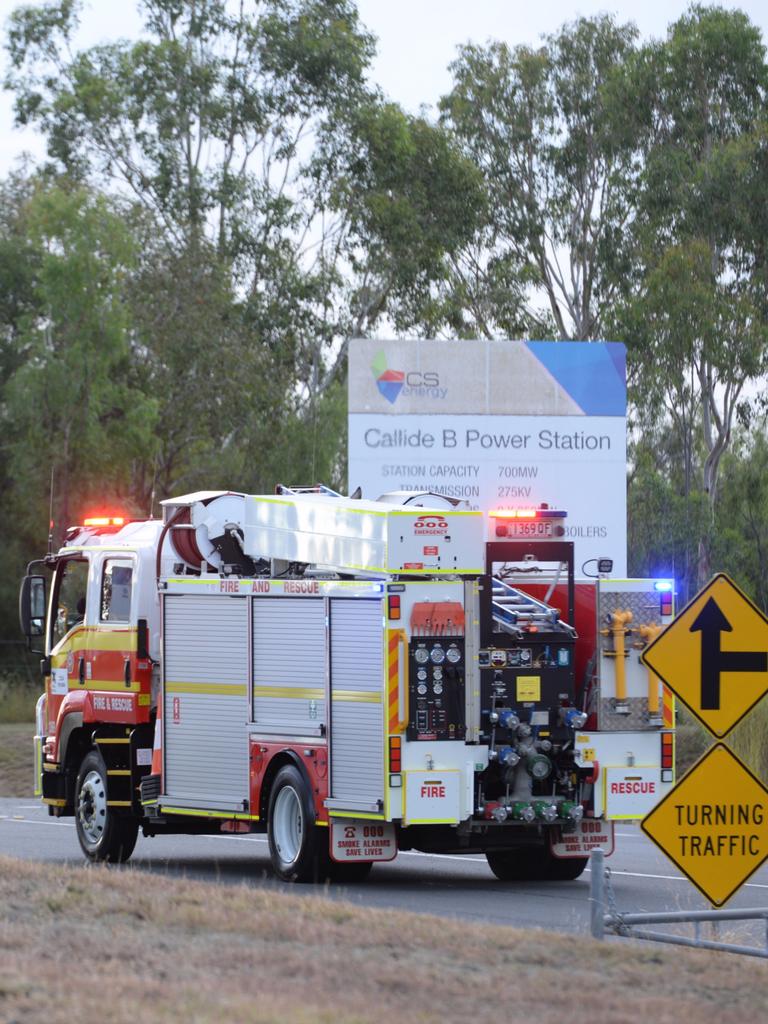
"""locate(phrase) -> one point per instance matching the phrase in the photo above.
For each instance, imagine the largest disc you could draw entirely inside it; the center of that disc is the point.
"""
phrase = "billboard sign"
(498, 424)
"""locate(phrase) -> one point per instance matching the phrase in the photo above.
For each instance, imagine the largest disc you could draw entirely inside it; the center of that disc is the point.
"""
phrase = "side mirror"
(32, 607)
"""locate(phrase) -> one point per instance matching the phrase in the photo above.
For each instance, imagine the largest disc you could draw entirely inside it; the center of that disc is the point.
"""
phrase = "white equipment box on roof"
(363, 535)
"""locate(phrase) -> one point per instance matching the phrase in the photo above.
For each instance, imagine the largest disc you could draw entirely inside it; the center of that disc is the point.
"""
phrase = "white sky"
(417, 39)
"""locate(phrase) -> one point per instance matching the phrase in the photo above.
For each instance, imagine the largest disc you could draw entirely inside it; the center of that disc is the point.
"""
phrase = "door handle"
(127, 672)
(81, 672)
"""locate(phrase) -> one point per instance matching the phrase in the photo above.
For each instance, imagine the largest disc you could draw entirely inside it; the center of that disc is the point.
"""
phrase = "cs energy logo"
(411, 382)
(389, 382)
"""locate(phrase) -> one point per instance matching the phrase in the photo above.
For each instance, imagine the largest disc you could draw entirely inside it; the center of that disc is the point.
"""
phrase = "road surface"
(458, 887)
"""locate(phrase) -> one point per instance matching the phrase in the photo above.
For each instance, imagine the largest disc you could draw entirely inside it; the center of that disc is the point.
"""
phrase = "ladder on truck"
(513, 609)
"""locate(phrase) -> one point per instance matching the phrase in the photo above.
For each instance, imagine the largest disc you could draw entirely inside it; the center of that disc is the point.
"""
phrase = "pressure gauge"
(421, 675)
(453, 654)
(437, 687)
(437, 654)
(421, 654)
(437, 673)
(422, 688)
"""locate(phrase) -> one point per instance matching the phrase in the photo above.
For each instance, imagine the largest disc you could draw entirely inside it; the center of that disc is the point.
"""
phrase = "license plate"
(523, 529)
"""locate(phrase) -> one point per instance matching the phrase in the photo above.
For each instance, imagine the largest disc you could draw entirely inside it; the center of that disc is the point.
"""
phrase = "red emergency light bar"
(105, 521)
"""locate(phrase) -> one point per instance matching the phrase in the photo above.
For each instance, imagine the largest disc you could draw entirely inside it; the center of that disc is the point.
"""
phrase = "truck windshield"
(70, 591)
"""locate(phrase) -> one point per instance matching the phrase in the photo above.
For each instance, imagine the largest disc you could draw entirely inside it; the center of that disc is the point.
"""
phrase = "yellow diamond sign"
(714, 655)
(714, 824)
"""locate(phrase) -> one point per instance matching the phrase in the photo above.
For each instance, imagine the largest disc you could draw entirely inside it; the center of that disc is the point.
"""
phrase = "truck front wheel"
(103, 834)
(297, 847)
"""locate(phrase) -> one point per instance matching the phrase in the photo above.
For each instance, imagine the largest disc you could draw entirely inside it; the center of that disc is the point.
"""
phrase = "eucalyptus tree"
(696, 322)
(281, 189)
(560, 179)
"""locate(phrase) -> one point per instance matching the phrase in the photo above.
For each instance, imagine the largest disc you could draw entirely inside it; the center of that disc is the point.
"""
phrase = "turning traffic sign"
(714, 824)
(714, 655)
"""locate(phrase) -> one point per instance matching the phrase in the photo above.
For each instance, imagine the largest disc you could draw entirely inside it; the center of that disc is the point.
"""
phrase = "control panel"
(436, 673)
(529, 674)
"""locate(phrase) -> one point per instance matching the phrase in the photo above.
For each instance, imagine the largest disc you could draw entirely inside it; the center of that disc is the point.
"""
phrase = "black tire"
(534, 864)
(297, 847)
(350, 872)
(103, 834)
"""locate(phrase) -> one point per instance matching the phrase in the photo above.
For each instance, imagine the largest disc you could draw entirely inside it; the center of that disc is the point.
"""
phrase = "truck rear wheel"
(297, 847)
(103, 834)
(534, 864)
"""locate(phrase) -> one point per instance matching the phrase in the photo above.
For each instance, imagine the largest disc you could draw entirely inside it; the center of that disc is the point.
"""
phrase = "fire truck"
(353, 677)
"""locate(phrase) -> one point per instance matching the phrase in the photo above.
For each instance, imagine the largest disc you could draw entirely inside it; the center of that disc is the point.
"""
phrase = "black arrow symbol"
(711, 622)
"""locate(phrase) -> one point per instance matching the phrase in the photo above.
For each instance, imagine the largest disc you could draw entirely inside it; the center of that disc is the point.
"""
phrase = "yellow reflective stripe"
(360, 696)
(355, 814)
(437, 572)
(432, 821)
(54, 803)
(193, 812)
(96, 638)
(112, 739)
(209, 689)
(416, 509)
(333, 508)
(38, 749)
(119, 803)
(118, 771)
(299, 692)
(208, 581)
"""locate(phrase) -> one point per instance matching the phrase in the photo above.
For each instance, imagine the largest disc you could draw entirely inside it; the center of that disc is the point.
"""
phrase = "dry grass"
(167, 950)
(16, 760)
(691, 740)
(750, 740)
(18, 698)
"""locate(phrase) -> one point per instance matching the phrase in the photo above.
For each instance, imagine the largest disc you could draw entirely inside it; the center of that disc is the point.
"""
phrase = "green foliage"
(74, 405)
(559, 178)
(227, 202)
(694, 322)
(411, 201)
(740, 541)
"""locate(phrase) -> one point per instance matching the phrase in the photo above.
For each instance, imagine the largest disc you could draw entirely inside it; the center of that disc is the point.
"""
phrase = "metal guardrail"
(607, 919)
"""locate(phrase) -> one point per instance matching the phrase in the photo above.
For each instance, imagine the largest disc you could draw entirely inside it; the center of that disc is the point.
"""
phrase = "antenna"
(50, 516)
(152, 493)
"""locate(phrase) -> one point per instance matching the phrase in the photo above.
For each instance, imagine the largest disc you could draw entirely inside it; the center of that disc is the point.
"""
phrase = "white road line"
(464, 858)
(460, 857)
(677, 878)
(444, 856)
(29, 821)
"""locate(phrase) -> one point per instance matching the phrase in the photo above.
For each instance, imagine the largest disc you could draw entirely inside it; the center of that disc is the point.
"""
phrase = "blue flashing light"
(663, 585)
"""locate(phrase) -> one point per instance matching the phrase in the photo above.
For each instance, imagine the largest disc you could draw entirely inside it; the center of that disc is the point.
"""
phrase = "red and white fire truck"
(354, 677)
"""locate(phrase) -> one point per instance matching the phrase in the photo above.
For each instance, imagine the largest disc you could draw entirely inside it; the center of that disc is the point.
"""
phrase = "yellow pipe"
(619, 623)
(649, 634)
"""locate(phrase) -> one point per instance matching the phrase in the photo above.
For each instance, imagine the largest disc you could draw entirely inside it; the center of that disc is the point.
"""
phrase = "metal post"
(597, 893)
